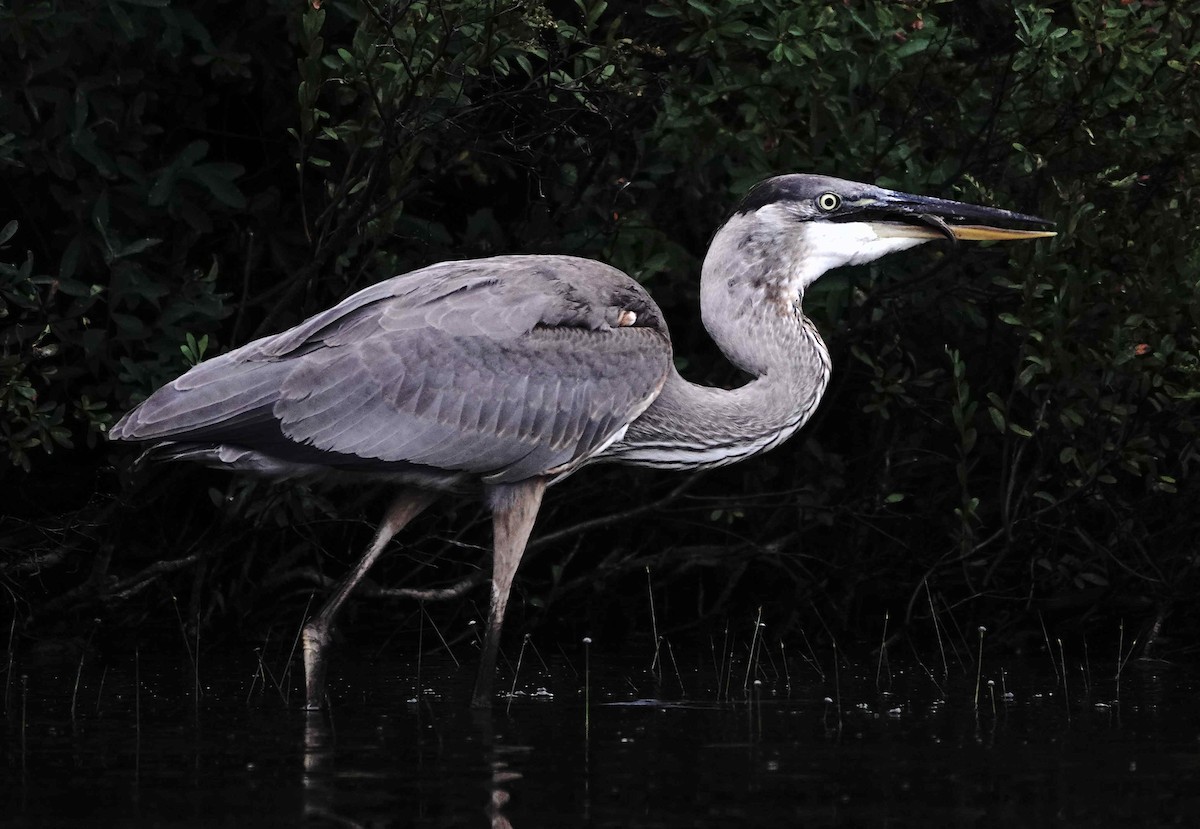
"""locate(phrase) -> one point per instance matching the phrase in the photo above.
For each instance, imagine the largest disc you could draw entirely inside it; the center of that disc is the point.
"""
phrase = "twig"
(615, 518)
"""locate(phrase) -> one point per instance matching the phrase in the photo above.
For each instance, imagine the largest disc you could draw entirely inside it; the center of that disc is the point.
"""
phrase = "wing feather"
(504, 368)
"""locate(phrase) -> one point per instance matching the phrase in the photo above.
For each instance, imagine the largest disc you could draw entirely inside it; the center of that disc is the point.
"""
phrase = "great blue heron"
(507, 374)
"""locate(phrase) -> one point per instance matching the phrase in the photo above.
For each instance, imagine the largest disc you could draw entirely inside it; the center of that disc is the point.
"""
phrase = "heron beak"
(894, 214)
(984, 233)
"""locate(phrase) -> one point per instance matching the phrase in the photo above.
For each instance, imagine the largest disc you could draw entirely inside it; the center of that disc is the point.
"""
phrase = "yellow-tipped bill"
(936, 228)
(984, 233)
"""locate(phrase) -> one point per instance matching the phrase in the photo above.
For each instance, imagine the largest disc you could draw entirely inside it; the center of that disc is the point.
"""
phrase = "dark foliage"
(1011, 430)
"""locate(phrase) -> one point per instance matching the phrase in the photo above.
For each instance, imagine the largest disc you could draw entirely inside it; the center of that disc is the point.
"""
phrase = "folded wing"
(503, 368)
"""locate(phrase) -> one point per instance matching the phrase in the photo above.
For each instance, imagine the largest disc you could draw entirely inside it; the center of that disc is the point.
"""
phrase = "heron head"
(816, 223)
(789, 230)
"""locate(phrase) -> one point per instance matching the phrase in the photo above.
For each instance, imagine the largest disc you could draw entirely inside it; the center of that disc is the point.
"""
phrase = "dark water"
(643, 749)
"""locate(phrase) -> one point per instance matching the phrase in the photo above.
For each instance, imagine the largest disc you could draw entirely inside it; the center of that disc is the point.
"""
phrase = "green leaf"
(70, 258)
(100, 215)
(136, 247)
(123, 20)
(217, 178)
(596, 11)
(313, 20)
(192, 153)
(997, 418)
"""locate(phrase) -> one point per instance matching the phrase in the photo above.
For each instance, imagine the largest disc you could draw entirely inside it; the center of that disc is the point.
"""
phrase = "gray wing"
(505, 368)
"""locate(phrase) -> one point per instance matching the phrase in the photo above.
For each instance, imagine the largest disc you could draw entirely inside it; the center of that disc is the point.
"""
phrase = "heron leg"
(317, 632)
(514, 508)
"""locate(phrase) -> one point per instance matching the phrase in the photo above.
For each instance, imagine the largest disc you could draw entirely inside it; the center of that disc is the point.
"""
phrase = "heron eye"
(829, 201)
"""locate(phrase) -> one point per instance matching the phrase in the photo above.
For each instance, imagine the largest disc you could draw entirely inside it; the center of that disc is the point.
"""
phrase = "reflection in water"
(501, 773)
(318, 778)
(913, 754)
(323, 782)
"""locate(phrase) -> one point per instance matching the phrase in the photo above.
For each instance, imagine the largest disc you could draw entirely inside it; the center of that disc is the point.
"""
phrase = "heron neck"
(689, 426)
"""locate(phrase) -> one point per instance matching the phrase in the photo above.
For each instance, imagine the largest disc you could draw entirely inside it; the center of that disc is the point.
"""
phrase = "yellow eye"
(829, 201)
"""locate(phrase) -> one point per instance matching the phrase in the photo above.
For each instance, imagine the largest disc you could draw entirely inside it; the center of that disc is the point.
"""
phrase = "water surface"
(606, 744)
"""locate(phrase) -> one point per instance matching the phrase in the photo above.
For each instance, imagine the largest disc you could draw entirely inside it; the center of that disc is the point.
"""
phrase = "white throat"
(824, 246)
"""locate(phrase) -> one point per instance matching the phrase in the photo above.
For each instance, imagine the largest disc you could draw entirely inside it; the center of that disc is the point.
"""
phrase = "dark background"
(1009, 439)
